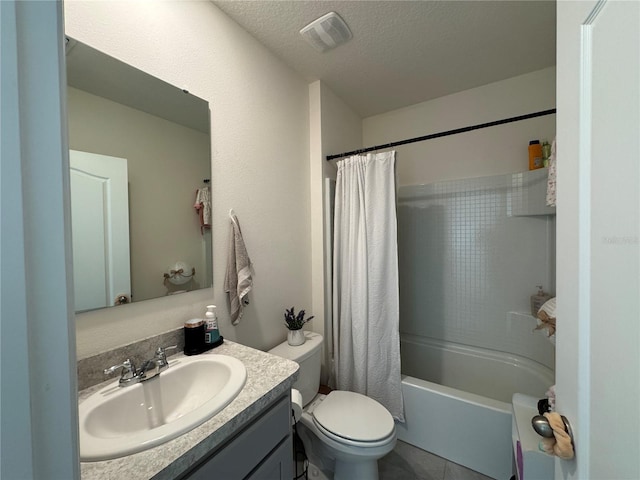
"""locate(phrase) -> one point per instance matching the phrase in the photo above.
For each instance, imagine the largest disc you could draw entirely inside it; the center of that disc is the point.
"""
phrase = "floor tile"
(388, 471)
(409, 462)
(454, 471)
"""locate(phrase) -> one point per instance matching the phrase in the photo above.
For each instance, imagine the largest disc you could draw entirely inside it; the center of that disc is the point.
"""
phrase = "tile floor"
(407, 462)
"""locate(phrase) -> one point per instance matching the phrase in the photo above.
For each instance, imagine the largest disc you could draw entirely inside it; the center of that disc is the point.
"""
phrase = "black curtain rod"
(444, 134)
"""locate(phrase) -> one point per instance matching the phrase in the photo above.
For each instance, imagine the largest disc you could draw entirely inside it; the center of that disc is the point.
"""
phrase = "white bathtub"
(458, 401)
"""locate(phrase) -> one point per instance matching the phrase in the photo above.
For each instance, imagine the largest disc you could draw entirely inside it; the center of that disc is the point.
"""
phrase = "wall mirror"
(140, 155)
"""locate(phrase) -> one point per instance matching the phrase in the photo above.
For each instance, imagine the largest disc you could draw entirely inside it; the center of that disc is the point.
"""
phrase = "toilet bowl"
(342, 437)
(343, 433)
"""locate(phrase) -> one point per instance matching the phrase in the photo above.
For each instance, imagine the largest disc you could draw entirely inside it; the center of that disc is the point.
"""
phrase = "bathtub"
(458, 401)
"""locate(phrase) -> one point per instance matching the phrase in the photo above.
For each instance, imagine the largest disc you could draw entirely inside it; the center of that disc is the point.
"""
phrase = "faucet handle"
(161, 354)
(128, 374)
(127, 367)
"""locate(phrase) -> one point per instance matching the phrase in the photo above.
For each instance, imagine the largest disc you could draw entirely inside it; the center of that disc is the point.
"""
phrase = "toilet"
(343, 433)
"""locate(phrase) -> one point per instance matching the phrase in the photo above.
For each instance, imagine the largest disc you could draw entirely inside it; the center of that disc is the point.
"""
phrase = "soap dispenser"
(538, 300)
(212, 334)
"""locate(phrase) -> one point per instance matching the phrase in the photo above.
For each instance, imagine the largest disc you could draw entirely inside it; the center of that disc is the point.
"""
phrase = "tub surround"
(268, 378)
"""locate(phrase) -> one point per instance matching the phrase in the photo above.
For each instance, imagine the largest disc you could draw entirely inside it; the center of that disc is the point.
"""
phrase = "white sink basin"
(118, 421)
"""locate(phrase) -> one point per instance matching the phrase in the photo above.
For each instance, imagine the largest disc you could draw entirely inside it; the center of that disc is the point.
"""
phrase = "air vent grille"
(327, 32)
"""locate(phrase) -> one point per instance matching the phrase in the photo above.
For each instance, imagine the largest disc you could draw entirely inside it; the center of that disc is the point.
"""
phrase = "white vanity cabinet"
(261, 451)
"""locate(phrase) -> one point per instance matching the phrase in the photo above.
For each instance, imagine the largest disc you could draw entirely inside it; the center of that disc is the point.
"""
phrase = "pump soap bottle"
(538, 300)
(212, 336)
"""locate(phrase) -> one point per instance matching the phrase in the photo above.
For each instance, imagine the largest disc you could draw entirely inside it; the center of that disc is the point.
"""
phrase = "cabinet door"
(246, 453)
(277, 466)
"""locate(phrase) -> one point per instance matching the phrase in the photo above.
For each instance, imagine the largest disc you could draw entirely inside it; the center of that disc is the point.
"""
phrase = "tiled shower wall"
(470, 252)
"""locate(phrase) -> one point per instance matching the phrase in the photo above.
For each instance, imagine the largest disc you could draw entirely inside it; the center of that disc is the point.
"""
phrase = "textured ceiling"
(406, 52)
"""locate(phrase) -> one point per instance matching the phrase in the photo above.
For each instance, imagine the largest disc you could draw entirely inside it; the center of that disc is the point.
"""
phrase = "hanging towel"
(551, 179)
(237, 281)
(203, 207)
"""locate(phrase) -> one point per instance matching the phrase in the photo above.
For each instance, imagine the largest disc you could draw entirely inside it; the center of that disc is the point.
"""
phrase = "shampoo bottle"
(212, 334)
(535, 155)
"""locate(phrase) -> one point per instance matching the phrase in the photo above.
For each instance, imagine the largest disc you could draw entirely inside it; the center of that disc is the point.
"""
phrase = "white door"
(598, 338)
(100, 229)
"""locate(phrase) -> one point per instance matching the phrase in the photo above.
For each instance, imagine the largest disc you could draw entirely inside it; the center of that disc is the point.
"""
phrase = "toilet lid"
(354, 416)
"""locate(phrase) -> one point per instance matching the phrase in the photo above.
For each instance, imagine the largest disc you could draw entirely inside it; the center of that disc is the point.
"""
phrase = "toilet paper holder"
(296, 405)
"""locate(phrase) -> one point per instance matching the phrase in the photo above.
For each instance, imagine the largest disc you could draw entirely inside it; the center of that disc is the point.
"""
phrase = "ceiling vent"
(327, 32)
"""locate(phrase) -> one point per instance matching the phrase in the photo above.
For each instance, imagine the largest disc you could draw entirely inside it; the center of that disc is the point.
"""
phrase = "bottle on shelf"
(535, 155)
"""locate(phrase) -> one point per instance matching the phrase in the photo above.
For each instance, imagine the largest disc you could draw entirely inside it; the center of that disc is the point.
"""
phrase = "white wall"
(489, 151)
(260, 148)
(334, 127)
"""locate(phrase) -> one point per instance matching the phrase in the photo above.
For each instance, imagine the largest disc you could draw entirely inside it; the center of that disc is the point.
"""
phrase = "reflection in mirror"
(132, 239)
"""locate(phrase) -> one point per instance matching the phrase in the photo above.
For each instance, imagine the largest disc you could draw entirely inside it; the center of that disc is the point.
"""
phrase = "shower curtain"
(365, 281)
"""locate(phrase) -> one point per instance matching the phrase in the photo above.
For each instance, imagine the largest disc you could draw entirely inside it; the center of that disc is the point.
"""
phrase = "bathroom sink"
(117, 421)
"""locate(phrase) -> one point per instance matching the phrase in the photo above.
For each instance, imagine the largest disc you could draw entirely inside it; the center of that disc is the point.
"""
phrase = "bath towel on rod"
(238, 281)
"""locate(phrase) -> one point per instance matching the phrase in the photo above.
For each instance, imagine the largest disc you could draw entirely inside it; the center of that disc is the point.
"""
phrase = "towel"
(237, 281)
(551, 178)
(203, 206)
(547, 319)
(561, 444)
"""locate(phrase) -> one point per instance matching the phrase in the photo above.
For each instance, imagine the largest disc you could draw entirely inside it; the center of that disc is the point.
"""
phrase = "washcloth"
(237, 281)
(203, 207)
(551, 178)
(560, 445)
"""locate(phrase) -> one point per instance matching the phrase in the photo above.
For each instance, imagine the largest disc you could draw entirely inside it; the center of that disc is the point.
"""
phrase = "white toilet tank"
(308, 356)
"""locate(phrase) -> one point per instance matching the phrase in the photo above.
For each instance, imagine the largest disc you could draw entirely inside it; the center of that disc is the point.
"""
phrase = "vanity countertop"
(268, 377)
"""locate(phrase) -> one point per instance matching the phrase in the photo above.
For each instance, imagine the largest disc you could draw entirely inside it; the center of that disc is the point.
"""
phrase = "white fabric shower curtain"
(366, 336)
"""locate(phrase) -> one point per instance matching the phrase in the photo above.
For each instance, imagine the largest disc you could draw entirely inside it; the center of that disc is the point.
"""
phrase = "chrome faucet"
(149, 369)
(152, 368)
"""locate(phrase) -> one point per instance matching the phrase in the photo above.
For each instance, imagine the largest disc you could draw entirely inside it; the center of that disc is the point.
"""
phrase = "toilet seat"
(354, 419)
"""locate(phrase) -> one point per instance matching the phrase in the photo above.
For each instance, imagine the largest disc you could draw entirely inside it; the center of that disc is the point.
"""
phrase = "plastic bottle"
(535, 155)
(211, 332)
(538, 300)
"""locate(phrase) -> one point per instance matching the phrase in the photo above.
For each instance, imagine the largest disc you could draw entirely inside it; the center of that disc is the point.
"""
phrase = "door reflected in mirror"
(120, 117)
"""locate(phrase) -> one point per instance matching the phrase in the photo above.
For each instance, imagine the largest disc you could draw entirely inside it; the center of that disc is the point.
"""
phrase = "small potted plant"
(295, 323)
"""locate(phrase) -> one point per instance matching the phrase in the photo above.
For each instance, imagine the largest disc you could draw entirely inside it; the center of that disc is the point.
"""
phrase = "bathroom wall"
(260, 167)
(334, 127)
(166, 163)
(490, 151)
